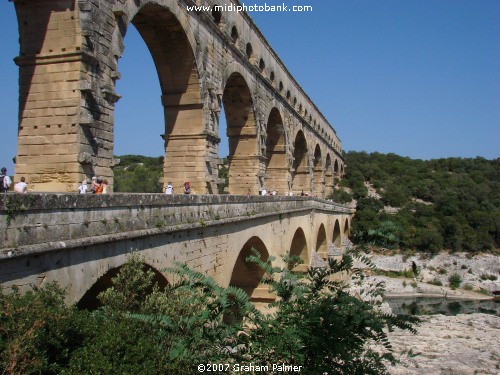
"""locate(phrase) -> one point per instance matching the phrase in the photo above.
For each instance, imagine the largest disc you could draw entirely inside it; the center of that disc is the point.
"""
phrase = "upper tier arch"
(68, 96)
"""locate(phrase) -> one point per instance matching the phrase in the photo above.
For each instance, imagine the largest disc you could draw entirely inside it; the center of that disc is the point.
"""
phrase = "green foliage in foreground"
(448, 203)
(317, 324)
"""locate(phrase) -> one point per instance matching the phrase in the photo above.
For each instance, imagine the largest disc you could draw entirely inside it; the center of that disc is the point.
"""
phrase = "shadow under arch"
(247, 275)
(89, 301)
(298, 247)
(276, 163)
(346, 228)
(175, 61)
(335, 248)
(321, 247)
(242, 133)
(336, 237)
(300, 172)
(318, 186)
(328, 176)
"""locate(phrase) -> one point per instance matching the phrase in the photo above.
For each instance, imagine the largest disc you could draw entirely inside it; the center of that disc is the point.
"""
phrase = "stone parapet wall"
(41, 222)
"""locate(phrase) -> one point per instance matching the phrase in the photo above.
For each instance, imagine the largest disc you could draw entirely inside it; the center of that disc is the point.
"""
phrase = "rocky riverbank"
(461, 344)
(476, 277)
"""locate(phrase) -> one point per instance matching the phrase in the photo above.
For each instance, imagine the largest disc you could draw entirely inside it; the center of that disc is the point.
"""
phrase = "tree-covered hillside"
(438, 204)
(143, 174)
(138, 174)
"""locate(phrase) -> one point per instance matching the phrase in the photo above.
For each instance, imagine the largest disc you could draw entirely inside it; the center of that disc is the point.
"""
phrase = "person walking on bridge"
(169, 189)
(5, 181)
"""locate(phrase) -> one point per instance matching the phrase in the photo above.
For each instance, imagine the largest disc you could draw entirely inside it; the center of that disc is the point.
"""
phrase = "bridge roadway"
(80, 241)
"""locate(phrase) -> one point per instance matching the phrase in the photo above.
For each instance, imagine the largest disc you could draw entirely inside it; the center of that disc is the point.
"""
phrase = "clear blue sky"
(419, 78)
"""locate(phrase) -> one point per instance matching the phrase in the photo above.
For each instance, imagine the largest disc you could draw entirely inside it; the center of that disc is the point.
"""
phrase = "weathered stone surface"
(78, 240)
(69, 64)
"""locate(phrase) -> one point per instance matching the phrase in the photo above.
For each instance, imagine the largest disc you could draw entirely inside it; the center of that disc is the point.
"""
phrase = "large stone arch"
(172, 51)
(318, 185)
(321, 242)
(300, 165)
(244, 160)
(248, 276)
(276, 153)
(90, 301)
(298, 247)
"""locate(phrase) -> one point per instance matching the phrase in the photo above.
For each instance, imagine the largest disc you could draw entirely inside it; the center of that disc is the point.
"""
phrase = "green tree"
(428, 240)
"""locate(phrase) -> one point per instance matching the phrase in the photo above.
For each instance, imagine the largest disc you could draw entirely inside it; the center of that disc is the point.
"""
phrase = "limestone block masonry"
(207, 61)
(79, 240)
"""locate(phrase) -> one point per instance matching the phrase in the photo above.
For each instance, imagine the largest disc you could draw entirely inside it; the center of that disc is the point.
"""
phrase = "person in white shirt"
(21, 187)
(264, 191)
(82, 189)
(169, 189)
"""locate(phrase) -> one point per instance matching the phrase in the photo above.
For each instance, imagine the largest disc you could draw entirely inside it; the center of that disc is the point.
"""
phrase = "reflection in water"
(429, 306)
(455, 308)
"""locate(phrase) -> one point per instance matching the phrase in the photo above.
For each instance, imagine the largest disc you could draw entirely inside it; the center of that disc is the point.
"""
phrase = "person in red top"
(99, 187)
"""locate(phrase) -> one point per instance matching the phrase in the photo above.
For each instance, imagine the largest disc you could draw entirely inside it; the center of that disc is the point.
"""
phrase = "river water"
(430, 306)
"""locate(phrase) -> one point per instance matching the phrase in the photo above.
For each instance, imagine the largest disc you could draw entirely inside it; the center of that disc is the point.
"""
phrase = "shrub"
(455, 280)
(38, 332)
(436, 281)
(486, 276)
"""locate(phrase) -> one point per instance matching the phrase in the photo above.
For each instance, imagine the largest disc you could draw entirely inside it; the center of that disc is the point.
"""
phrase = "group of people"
(169, 189)
(97, 186)
(100, 186)
(6, 182)
(265, 192)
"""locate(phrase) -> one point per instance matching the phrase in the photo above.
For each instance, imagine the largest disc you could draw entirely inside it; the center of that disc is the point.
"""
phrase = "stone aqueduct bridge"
(206, 62)
(80, 241)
